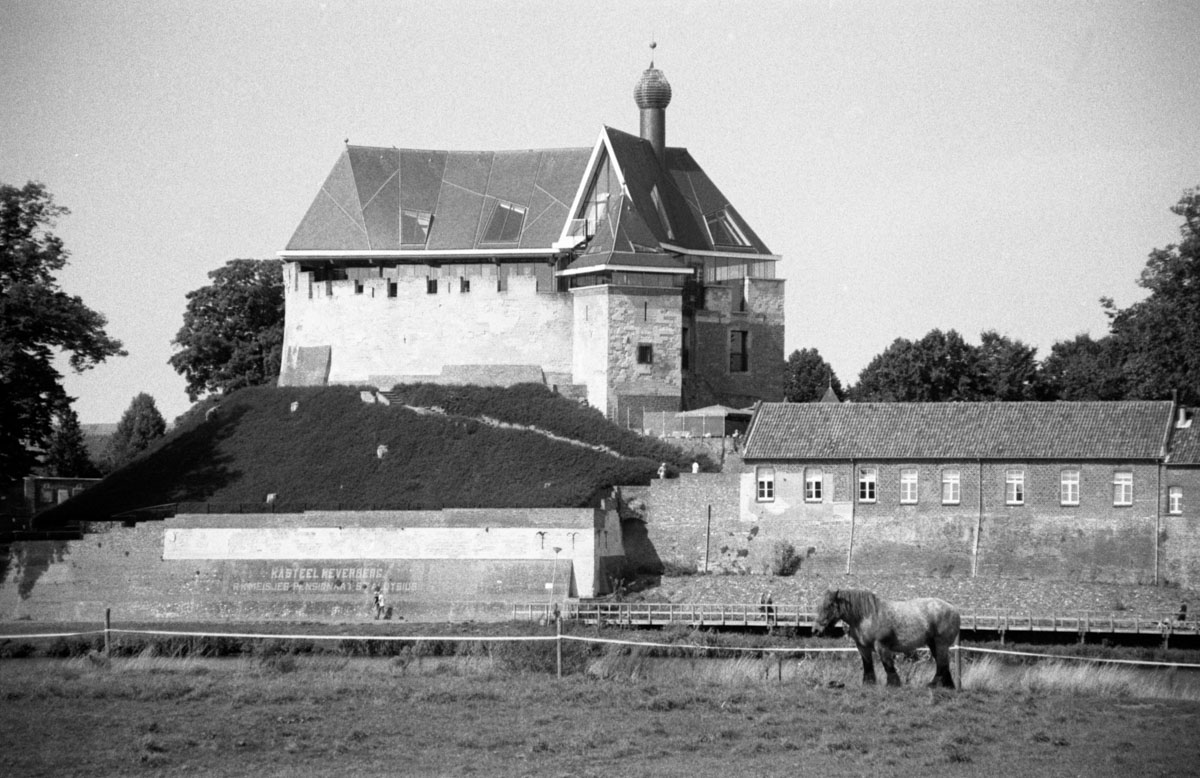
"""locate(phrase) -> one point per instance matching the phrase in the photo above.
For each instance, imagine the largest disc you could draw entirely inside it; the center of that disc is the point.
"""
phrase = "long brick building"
(1088, 491)
(618, 273)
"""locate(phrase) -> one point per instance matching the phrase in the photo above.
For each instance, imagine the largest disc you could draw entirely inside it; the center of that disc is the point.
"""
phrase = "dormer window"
(414, 227)
(506, 223)
(725, 231)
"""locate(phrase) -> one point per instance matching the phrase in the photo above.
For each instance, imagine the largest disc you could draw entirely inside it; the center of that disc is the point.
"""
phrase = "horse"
(890, 628)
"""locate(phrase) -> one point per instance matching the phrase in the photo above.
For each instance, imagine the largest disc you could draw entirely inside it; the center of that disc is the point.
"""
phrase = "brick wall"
(322, 566)
(1040, 538)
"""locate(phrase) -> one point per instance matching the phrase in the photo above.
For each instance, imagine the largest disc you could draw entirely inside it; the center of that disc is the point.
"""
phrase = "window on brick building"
(765, 476)
(813, 484)
(908, 485)
(1014, 487)
(951, 487)
(1175, 499)
(868, 480)
(1069, 487)
(431, 286)
(393, 288)
(645, 354)
(1123, 487)
(464, 284)
(739, 353)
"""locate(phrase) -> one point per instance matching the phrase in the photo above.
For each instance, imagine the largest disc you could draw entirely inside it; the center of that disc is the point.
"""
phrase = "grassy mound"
(325, 454)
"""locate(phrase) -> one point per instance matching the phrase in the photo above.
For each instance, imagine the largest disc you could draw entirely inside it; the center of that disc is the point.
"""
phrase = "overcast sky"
(957, 165)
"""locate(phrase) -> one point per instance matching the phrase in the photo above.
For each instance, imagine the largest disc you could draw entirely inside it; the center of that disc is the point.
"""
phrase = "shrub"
(784, 559)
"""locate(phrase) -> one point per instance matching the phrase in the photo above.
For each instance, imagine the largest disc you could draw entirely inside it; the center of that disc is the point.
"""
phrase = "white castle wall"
(417, 333)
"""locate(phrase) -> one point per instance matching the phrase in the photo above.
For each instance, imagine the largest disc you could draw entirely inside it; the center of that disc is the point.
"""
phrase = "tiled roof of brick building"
(1025, 430)
(1185, 442)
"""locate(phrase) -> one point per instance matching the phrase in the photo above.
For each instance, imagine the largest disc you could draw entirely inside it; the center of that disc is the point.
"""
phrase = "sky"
(956, 165)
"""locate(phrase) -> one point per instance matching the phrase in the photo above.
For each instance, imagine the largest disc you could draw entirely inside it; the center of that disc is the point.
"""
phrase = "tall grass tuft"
(995, 675)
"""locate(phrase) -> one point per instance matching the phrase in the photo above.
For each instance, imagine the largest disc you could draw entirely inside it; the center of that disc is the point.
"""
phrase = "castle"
(618, 274)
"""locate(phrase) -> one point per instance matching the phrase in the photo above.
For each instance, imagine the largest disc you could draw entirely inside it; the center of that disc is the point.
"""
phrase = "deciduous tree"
(1159, 337)
(939, 367)
(808, 376)
(67, 455)
(1008, 369)
(232, 334)
(1083, 369)
(37, 321)
(140, 425)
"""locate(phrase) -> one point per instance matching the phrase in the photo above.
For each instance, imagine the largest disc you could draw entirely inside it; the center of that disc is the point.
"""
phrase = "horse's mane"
(857, 602)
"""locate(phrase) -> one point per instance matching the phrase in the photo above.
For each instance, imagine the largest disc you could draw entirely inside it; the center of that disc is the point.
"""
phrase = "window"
(1123, 487)
(766, 483)
(739, 356)
(358, 286)
(431, 286)
(1069, 487)
(725, 230)
(1014, 487)
(645, 354)
(867, 480)
(1175, 499)
(464, 285)
(951, 487)
(813, 484)
(908, 485)
(393, 288)
(414, 227)
(505, 224)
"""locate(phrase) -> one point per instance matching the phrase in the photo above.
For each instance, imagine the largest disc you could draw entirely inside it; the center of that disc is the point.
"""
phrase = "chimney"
(652, 95)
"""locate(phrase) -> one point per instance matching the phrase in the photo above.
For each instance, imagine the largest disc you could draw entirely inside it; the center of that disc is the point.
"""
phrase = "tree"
(1083, 369)
(140, 425)
(37, 321)
(939, 367)
(1008, 369)
(232, 334)
(808, 376)
(67, 455)
(1159, 337)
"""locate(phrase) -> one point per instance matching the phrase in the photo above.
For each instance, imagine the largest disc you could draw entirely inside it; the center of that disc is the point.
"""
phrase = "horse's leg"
(941, 658)
(865, 650)
(889, 665)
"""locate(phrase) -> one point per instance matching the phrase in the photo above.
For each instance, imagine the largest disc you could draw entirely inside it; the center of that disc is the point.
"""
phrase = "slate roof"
(1028, 431)
(1185, 443)
(358, 207)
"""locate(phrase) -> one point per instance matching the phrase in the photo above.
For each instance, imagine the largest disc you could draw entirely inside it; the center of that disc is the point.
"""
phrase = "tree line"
(1151, 351)
(232, 337)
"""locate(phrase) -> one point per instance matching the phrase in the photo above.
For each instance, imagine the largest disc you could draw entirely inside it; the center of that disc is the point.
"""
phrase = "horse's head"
(829, 613)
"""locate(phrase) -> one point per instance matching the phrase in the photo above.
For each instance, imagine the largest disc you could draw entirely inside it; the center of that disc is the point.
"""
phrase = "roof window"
(725, 231)
(506, 223)
(414, 227)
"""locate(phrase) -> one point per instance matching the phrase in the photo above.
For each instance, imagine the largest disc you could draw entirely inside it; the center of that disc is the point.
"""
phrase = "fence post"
(958, 659)
(558, 641)
(107, 627)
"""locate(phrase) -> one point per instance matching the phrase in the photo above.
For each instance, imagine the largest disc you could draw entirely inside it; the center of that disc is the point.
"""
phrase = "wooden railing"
(659, 614)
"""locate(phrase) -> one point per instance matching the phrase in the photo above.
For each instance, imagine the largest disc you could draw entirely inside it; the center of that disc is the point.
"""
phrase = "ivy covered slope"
(325, 453)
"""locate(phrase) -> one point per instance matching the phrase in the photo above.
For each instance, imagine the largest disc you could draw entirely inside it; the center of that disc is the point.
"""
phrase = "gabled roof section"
(1123, 431)
(359, 206)
(1185, 441)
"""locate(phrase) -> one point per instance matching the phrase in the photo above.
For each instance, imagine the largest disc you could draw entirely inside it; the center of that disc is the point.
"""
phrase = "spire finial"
(653, 46)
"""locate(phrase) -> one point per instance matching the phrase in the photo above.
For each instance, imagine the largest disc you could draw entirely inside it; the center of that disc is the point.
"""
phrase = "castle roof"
(1124, 431)
(396, 201)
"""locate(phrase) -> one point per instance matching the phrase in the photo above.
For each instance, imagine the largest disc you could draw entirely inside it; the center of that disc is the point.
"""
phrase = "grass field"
(621, 713)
